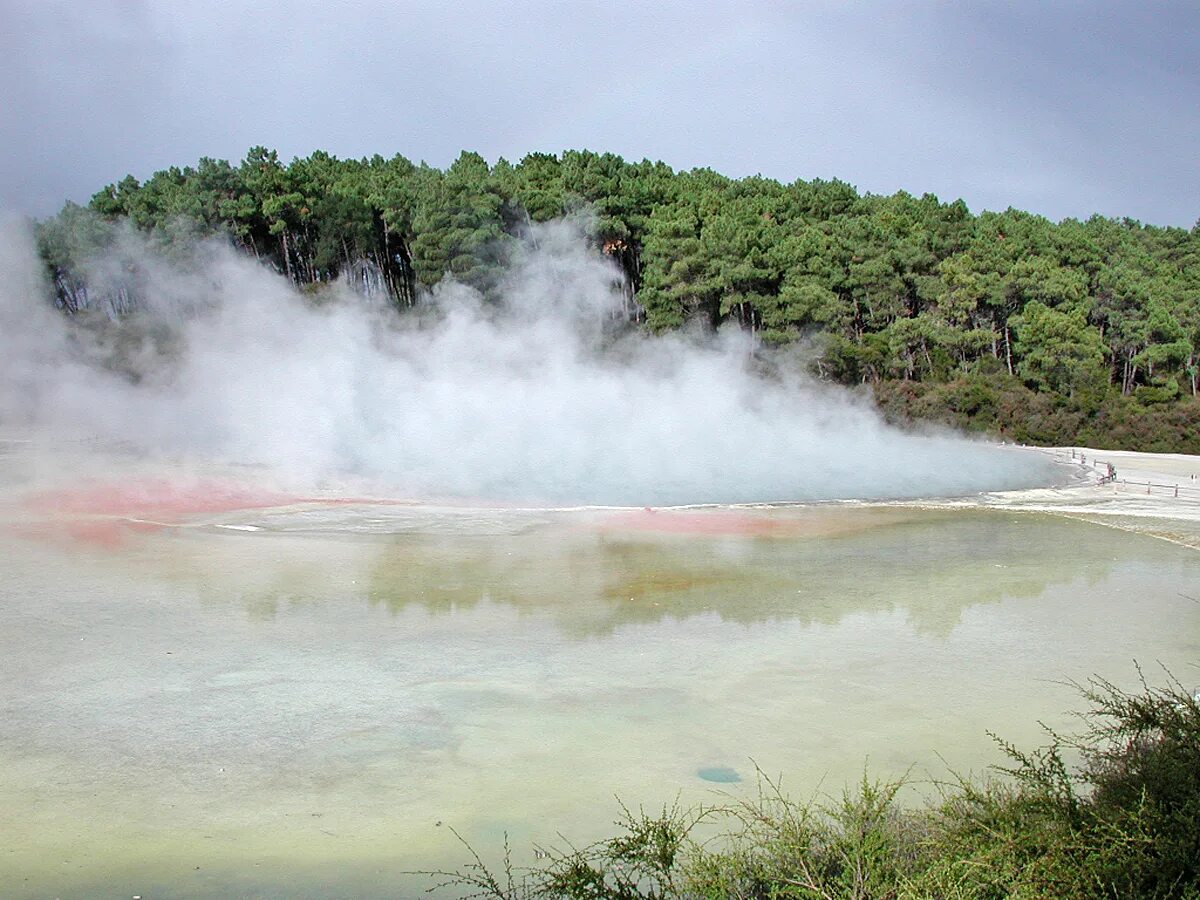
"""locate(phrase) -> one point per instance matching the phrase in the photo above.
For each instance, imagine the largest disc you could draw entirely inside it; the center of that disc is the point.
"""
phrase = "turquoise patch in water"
(719, 774)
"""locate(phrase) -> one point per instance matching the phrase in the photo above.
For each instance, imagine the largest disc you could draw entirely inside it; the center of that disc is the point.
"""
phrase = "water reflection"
(931, 566)
(592, 579)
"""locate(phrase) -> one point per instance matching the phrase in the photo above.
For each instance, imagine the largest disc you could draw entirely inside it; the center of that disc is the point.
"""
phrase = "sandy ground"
(1153, 493)
(1150, 483)
(1176, 468)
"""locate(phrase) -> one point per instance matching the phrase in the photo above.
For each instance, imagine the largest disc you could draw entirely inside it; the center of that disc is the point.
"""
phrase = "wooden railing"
(1107, 474)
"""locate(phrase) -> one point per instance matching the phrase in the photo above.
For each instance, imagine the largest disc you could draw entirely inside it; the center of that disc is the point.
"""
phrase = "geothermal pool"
(258, 694)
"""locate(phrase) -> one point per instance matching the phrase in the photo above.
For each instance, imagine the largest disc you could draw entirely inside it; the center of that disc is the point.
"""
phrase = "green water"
(307, 709)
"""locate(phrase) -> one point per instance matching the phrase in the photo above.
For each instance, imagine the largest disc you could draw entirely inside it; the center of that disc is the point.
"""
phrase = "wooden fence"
(1107, 473)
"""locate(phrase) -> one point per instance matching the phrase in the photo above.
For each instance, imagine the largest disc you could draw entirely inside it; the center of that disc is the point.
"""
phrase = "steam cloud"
(536, 399)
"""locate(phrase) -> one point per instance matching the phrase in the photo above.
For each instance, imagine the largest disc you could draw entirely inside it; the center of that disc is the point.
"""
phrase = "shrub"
(1124, 823)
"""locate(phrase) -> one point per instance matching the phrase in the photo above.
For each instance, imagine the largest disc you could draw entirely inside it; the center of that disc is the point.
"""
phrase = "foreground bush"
(1124, 823)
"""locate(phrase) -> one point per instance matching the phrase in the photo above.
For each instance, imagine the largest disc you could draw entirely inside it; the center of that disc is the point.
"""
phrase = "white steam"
(536, 399)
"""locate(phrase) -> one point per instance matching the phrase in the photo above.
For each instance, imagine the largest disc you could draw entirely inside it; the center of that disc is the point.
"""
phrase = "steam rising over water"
(536, 399)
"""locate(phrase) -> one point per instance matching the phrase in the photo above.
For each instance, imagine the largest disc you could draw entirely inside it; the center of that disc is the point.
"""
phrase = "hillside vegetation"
(1080, 331)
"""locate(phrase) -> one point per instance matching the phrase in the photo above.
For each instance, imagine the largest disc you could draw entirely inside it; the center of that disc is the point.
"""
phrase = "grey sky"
(1061, 108)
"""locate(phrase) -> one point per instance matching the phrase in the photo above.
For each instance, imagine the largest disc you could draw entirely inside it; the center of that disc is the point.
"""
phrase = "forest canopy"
(1069, 332)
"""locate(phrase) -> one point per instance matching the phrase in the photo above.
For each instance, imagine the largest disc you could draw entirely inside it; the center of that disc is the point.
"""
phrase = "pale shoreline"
(1153, 493)
(1145, 484)
(1157, 494)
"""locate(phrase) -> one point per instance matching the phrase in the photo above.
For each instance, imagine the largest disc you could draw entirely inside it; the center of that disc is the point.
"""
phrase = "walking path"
(1152, 493)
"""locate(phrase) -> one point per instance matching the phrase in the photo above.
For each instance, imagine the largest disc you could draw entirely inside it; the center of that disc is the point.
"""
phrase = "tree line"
(1004, 321)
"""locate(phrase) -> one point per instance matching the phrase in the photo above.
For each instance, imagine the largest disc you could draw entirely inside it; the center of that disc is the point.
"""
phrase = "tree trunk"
(1130, 375)
(287, 258)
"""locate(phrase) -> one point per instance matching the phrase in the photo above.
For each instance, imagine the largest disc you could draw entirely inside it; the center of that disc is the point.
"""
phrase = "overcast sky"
(1061, 108)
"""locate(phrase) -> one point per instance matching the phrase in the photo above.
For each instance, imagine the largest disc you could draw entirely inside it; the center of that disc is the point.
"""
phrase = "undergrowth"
(1124, 822)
